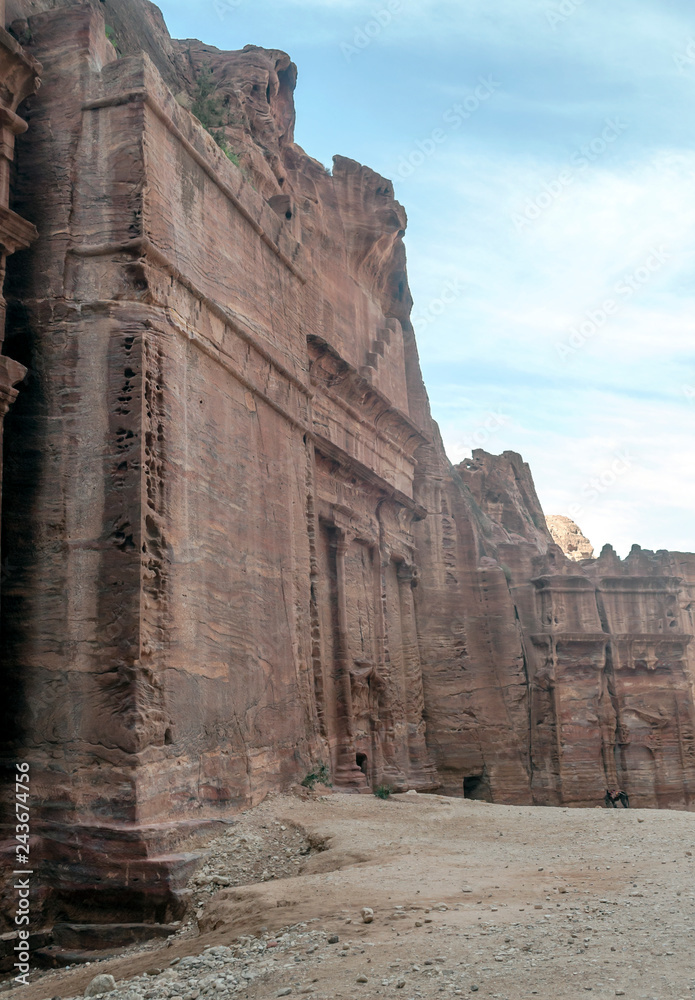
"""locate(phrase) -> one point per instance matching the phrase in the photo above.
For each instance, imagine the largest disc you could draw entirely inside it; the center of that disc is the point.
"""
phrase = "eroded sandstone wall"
(240, 549)
(212, 489)
(606, 647)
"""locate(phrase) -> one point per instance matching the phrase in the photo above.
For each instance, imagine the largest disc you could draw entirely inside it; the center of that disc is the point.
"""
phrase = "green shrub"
(206, 106)
(111, 35)
(319, 776)
(382, 791)
(210, 112)
(221, 140)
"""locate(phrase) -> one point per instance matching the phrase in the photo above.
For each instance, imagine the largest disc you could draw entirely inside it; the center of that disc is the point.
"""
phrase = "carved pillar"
(347, 773)
(391, 706)
(19, 77)
(422, 768)
(11, 373)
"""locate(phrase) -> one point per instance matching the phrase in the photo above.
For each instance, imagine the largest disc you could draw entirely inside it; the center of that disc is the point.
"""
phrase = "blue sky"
(544, 152)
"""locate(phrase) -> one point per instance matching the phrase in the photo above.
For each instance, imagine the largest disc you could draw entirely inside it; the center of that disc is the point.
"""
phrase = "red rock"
(240, 549)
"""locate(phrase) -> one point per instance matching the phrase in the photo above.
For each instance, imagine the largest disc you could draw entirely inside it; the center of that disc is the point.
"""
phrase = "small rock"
(100, 984)
(367, 914)
(474, 989)
(286, 992)
(362, 979)
(333, 939)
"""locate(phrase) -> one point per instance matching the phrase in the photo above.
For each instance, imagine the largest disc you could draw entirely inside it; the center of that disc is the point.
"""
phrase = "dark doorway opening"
(363, 764)
(474, 787)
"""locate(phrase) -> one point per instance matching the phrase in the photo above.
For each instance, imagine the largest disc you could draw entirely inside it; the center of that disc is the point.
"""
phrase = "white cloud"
(524, 293)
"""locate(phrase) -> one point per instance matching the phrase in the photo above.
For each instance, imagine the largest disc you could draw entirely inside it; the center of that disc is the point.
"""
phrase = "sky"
(544, 152)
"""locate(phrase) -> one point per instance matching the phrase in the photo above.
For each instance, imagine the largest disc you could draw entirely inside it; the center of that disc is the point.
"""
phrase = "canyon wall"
(239, 550)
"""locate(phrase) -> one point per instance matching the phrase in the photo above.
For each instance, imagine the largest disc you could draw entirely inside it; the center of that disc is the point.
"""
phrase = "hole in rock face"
(363, 764)
(168, 737)
(288, 214)
(473, 787)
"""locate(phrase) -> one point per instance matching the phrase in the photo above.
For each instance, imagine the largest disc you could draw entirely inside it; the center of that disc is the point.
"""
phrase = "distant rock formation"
(240, 554)
(569, 537)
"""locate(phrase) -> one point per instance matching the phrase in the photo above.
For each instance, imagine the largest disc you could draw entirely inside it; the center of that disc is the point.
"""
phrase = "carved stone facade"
(240, 548)
(19, 77)
(606, 652)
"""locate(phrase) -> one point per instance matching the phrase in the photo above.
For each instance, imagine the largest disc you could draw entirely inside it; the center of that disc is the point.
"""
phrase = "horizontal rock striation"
(239, 549)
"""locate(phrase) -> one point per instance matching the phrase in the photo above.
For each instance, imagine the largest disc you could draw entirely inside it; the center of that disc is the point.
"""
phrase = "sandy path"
(501, 901)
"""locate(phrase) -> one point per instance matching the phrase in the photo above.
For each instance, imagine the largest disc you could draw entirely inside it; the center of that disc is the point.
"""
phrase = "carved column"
(421, 766)
(11, 373)
(19, 77)
(347, 773)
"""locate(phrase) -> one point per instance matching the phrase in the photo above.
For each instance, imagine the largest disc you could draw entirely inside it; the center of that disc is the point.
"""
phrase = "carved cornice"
(640, 584)
(15, 232)
(547, 639)
(341, 382)
(20, 73)
(655, 638)
(367, 475)
(11, 373)
(564, 584)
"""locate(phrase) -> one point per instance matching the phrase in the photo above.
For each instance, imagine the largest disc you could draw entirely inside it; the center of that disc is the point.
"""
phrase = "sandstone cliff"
(239, 549)
(569, 537)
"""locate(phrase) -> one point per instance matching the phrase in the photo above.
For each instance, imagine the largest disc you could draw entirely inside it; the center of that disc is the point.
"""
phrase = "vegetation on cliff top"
(209, 110)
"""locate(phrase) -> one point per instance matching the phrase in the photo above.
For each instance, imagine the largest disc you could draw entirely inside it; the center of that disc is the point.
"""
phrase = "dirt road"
(468, 898)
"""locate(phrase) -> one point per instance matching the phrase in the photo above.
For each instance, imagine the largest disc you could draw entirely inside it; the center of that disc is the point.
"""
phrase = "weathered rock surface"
(569, 537)
(240, 551)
